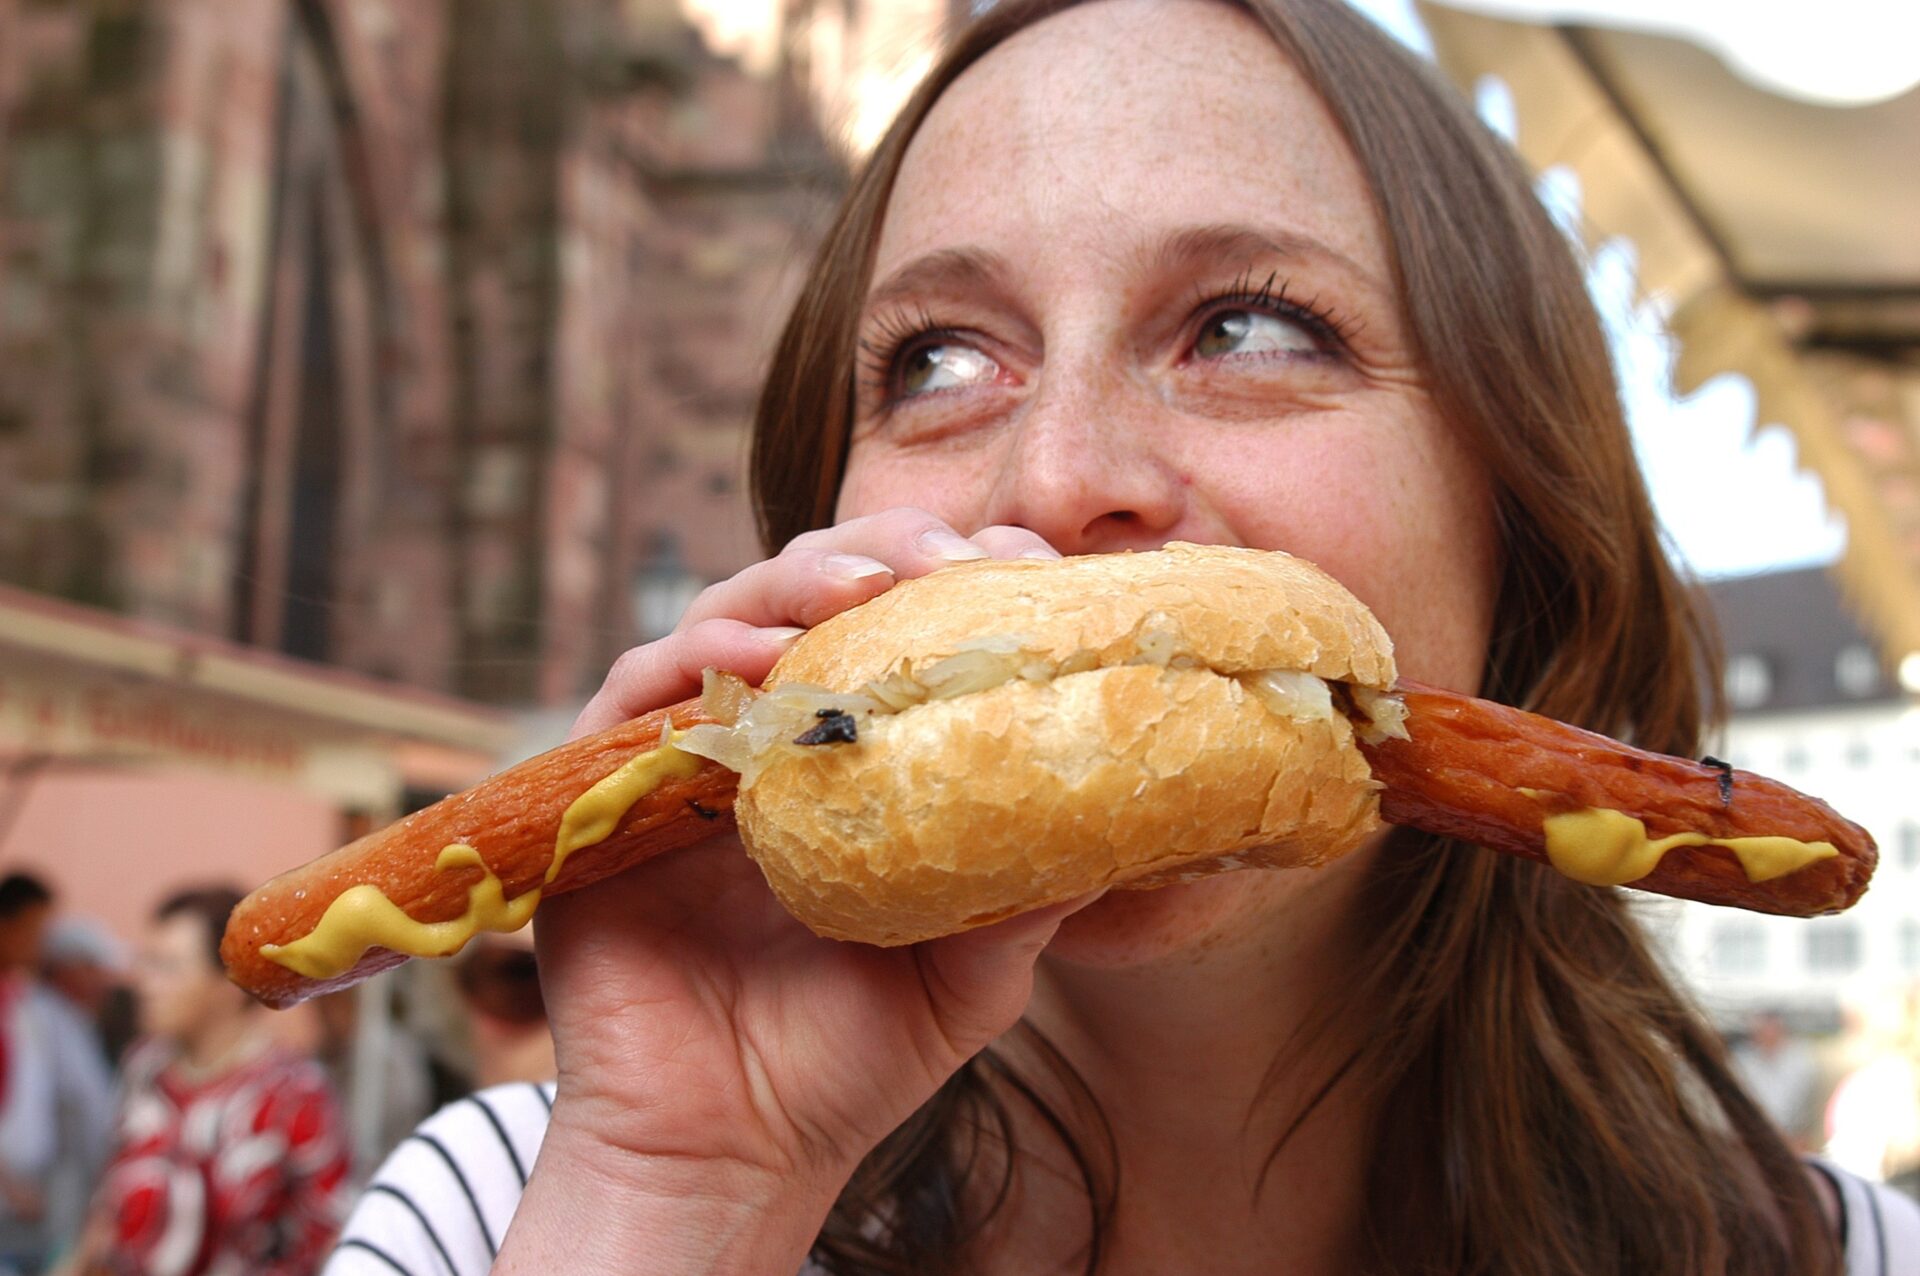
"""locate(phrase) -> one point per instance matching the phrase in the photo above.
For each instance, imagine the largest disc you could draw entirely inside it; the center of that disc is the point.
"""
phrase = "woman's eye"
(1251, 332)
(942, 367)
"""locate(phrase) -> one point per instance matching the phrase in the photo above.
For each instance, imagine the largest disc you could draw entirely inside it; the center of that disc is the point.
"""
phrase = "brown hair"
(209, 907)
(1547, 1101)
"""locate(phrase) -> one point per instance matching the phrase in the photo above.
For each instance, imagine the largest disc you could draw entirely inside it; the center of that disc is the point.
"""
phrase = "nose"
(1089, 467)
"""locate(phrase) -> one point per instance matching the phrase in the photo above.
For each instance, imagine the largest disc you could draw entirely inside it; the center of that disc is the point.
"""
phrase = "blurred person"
(1781, 1073)
(56, 1093)
(230, 1157)
(1873, 1116)
(499, 982)
(404, 1084)
(513, 1068)
(87, 964)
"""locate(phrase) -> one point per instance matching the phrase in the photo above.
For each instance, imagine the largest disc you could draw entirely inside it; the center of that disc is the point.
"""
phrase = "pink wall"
(113, 844)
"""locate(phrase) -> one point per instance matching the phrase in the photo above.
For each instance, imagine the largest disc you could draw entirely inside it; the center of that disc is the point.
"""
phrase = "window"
(1859, 753)
(1749, 680)
(1794, 761)
(1856, 671)
(1738, 948)
(1910, 945)
(1833, 950)
(1910, 845)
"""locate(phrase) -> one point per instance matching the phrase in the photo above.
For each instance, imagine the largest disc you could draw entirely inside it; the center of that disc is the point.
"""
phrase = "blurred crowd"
(1853, 1097)
(155, 1121)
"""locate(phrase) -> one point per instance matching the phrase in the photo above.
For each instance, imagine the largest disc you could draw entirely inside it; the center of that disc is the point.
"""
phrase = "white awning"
(1784, 236)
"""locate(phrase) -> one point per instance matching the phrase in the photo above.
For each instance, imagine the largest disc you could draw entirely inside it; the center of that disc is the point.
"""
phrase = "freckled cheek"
(957, 488)
(1407, 529)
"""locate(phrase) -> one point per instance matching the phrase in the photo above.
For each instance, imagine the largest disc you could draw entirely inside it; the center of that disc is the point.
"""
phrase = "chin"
(1215, 915)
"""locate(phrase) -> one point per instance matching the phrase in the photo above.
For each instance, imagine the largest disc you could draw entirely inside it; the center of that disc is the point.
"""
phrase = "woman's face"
(180, 988)
(1131, 288)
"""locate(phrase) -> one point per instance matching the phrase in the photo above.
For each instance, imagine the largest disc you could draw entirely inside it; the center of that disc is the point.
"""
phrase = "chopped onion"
(770, 725)
(1386, 715)
(971, 670)
(725, 745)
(1292, 694)
(1078, 662)
(899, 690)
(725, 696)
(763, 725)
(1155, 647)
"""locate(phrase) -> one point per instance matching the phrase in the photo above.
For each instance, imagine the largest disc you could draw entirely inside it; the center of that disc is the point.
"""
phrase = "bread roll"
(1151, 758)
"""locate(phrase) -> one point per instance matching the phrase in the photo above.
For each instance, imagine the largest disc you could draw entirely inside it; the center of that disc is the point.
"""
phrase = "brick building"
(391, 333)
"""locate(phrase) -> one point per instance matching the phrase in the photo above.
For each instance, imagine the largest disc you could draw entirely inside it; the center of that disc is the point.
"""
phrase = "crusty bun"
(1121, 749)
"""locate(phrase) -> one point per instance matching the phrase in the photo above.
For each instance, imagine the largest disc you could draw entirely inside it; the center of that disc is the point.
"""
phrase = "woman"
(1126, 272)
(230, 1153)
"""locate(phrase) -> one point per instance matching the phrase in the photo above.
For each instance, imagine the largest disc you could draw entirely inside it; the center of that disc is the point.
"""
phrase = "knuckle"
(632, 664)
(706, 602)
(710, 631)
(898, 522)
(910, 519)
(812, 540)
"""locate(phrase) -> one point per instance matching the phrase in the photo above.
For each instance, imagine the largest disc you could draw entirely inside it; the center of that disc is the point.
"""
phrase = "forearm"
(591, 1210)
(89, 1248)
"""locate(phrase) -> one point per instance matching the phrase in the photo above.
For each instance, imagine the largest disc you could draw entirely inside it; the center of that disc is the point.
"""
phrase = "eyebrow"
(1200, 242)
(956, 269)
(949, 268)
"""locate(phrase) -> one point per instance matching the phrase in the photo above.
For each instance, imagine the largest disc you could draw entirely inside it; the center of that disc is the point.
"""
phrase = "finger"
(911, 540)
(986, 975)
(799, 587)
(1013, 542)
(661, 673)
(824, 572)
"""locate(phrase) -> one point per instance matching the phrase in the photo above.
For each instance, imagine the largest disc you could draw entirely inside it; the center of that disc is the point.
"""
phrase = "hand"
(696, 1023)
(23, 1197)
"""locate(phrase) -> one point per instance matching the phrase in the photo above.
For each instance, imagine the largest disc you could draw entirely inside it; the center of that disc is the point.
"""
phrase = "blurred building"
(1812, 703)
(397, 335)
(135, 759)
(367, 366)
(1776, 233)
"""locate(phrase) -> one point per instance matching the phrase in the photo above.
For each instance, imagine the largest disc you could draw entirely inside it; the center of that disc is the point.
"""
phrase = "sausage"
(1482, 772)
(1494, 776)
(513, 821)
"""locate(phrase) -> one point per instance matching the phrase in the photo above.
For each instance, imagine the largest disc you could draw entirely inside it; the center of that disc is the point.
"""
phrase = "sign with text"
(87, 718)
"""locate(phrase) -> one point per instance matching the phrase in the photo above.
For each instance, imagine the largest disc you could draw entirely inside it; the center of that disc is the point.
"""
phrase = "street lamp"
(1910, 672)
(663, 588)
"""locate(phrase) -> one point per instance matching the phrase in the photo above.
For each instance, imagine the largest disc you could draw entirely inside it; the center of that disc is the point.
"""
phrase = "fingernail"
(1040, 551)
(853, 566)
(778, 635)
(942, 543)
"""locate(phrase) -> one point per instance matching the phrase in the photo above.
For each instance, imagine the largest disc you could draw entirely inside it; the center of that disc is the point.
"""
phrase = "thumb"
(980, 980)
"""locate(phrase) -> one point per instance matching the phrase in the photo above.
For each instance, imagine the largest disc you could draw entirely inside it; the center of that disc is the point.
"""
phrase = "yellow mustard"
(595, 814)
(363, 917)
(1611, 848)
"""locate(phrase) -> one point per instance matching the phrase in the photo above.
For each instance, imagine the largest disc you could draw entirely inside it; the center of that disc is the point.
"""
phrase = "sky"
(1730, 495)
(1857, 51)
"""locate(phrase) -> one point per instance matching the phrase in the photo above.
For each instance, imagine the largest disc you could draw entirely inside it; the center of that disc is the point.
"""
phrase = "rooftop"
(1792, 644)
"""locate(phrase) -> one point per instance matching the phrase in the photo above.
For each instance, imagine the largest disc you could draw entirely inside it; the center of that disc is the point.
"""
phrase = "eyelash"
(1322, 321)
(897, 331)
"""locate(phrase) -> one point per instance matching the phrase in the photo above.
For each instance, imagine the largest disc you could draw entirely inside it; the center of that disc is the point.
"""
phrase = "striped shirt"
(441, 1203)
